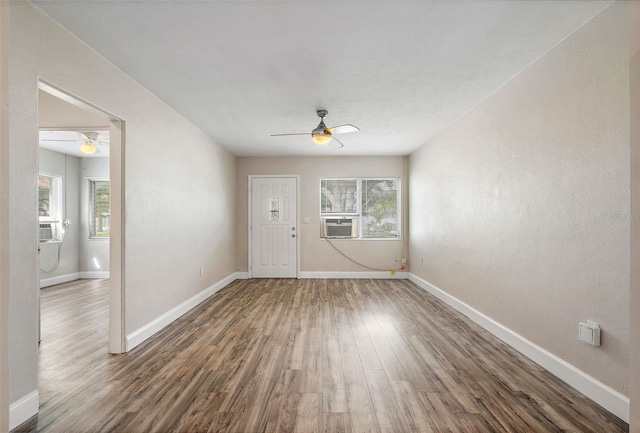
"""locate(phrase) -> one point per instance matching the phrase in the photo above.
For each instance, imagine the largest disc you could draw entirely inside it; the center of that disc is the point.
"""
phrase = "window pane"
(50, 208)
(380, 208)
(100, 209)
(339, 196)
(45, 202)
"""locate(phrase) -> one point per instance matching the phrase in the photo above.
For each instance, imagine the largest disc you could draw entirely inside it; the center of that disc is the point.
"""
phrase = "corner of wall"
(4, 221)
(608, 398)
(23, 409)
(142, 334)
(634, 304)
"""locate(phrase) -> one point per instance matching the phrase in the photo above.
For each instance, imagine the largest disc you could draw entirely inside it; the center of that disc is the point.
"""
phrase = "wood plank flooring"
(286, 355)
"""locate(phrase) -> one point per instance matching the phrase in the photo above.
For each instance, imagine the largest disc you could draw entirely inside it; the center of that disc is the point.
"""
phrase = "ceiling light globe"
(88, 148)
(321, 139)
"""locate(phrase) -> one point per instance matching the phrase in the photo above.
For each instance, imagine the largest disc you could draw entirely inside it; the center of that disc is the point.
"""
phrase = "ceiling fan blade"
(337, 146)
(296, 133)
(343, 129)
(68, 141)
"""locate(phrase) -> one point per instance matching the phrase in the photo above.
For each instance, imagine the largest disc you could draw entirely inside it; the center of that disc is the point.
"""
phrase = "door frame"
(117, 232)
(257, 176)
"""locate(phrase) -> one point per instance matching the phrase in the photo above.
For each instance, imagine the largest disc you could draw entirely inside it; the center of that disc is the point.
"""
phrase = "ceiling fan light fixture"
(321, 139)
(88, 148)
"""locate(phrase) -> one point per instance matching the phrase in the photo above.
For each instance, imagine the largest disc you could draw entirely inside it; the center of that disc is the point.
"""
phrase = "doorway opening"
(80, 199)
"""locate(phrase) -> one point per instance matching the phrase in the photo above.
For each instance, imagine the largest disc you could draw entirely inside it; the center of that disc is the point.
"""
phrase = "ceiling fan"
(322, 135)
(89, 141)
(89, 146)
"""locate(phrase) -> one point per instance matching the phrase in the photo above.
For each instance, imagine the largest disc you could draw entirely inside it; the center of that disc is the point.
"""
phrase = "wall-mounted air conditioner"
(339, 227)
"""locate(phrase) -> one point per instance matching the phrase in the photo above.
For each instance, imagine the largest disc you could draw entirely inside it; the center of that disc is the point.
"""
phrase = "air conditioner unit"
(339, 228)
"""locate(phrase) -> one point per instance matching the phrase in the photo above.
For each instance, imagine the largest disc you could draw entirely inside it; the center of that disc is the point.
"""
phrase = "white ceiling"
(401, 71)
(69, 142)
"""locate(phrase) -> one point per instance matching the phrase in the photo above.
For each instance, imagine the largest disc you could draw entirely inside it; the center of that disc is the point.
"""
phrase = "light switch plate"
(589, 333)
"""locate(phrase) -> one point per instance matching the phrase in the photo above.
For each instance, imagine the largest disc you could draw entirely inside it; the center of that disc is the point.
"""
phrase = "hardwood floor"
(297, 356)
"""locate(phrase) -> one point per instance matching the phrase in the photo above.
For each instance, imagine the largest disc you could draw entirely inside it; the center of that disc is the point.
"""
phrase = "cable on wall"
(65, 222)
(356, 262)
(57, 262)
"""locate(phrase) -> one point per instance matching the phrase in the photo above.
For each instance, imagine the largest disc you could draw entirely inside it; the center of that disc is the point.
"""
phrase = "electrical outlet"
(421, 261)
(201, 270)
(404, 262)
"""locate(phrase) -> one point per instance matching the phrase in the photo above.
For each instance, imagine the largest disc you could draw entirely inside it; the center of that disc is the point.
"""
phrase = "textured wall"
(634, 312)
(315, 253)
(54, 163)
(179, 187)
(521, 207)
(53, 112)
(4, 220)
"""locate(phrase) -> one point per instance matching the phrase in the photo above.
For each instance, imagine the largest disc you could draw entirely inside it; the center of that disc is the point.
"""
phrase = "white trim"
(608, 398)
(148, 330)
(94, 274)
(46, 282)
(378, 275)
(23, 409)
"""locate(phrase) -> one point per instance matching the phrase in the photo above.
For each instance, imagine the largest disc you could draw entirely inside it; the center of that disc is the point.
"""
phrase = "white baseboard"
(380, 275)
(608, 398)
(148, 330)
(46, 282)
(242, 275)
(95, 274)
(23, 409)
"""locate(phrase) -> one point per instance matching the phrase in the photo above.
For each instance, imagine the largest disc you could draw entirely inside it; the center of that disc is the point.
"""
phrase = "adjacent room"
(315, 216)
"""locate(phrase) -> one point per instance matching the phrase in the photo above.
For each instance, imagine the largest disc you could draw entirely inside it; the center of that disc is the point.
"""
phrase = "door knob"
(293, 235)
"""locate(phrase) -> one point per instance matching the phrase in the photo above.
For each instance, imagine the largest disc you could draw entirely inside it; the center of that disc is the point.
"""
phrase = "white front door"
(273, 229)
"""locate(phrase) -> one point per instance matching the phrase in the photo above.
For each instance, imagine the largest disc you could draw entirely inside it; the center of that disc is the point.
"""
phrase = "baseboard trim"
(94, 274)
(610, 399)
(23, 409)
(242, 275)
(379, 275)
(137, 337)
(51, 281)
(46, 282)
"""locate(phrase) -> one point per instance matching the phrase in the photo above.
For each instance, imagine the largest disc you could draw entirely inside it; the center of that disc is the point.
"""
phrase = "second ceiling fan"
(322, 135)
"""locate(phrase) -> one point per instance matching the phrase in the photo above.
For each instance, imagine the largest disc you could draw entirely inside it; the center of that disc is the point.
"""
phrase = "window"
(50, 208)
(375, 202)
(100, 208)
(339, 196)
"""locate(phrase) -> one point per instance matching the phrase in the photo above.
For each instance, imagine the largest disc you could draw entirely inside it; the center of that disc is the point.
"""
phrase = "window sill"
(50, 242)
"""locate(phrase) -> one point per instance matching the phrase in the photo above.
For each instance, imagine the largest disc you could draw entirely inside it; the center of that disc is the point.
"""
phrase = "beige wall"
(634, 311)
(179, 205)
(4, 222)
(521, 208)
(53, 112)
(315, 254)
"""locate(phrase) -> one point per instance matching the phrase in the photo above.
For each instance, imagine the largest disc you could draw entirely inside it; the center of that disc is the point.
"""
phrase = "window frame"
(358, 215)
(91, 208)
(56, 203)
